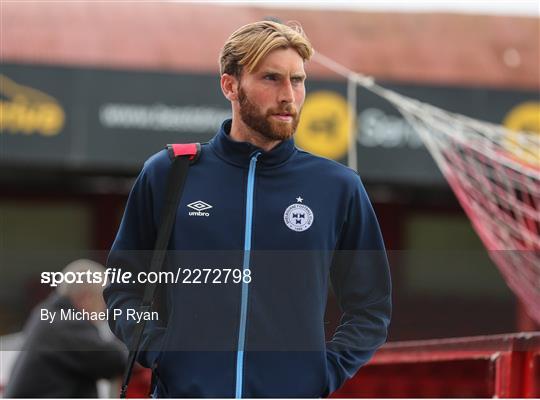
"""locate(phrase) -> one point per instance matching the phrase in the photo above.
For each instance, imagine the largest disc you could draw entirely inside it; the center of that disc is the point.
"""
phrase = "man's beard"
(270, 128)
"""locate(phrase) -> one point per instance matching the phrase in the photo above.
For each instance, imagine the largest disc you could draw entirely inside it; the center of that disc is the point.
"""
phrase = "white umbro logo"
(199, 206)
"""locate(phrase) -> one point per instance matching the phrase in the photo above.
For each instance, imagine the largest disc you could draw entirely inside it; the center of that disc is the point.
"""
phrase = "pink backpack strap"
(191, 150)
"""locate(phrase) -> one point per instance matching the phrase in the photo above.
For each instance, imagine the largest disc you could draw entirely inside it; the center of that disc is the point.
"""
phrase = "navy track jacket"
(284, 224)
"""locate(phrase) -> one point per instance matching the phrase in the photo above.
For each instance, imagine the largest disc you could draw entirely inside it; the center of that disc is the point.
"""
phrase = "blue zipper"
(245, 287)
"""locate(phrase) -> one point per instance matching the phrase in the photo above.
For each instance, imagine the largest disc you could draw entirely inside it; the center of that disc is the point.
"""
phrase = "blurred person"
(293, 220)
(66, 356)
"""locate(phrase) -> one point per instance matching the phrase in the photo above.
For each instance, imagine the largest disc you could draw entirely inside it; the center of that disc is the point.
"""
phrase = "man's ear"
(229, 87)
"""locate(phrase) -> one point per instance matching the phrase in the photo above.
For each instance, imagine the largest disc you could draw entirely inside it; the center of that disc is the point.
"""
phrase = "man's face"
(271, 97)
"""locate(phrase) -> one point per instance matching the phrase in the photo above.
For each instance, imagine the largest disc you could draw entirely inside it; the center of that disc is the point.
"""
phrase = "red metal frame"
(485, 366)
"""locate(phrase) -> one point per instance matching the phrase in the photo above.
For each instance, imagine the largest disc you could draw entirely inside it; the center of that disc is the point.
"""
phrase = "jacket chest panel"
(211, 213)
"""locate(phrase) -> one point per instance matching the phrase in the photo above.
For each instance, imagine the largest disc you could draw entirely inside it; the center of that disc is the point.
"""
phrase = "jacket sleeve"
(361, 281)
(132, 251)
(88, 355)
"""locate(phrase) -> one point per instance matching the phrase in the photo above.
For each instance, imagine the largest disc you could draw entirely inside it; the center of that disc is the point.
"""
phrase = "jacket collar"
(240, 153)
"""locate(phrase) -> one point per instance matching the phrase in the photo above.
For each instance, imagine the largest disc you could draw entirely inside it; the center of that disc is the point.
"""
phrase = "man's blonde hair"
(248, 45)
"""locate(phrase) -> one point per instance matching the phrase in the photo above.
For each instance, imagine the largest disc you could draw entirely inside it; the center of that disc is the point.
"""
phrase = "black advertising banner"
(35, 122)
(112, 120)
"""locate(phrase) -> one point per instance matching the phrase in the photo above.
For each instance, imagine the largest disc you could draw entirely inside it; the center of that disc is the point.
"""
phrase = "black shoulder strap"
(182, 157)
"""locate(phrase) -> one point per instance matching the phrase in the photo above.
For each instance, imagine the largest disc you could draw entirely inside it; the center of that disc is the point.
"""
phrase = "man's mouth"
(283, 116)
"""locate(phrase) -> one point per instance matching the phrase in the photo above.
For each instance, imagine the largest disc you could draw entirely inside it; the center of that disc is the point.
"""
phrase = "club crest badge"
(298, 217)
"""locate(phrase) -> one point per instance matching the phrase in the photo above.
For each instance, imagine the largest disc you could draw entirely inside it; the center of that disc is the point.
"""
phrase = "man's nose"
(286, 93)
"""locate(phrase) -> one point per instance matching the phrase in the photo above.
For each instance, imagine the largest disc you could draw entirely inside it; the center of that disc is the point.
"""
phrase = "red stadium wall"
(501, 366)
(450, 49)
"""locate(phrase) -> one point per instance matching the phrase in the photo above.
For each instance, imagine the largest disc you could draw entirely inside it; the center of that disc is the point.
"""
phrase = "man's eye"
(270, 77)
(297, 80)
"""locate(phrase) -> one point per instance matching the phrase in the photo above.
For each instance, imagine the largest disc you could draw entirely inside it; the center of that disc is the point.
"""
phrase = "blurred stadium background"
(90, 90)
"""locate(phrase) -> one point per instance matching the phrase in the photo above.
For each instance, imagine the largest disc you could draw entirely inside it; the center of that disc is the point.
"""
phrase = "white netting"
(495, 174)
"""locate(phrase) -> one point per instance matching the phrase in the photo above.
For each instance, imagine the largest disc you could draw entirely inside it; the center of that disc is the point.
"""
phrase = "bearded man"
(286, 222)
